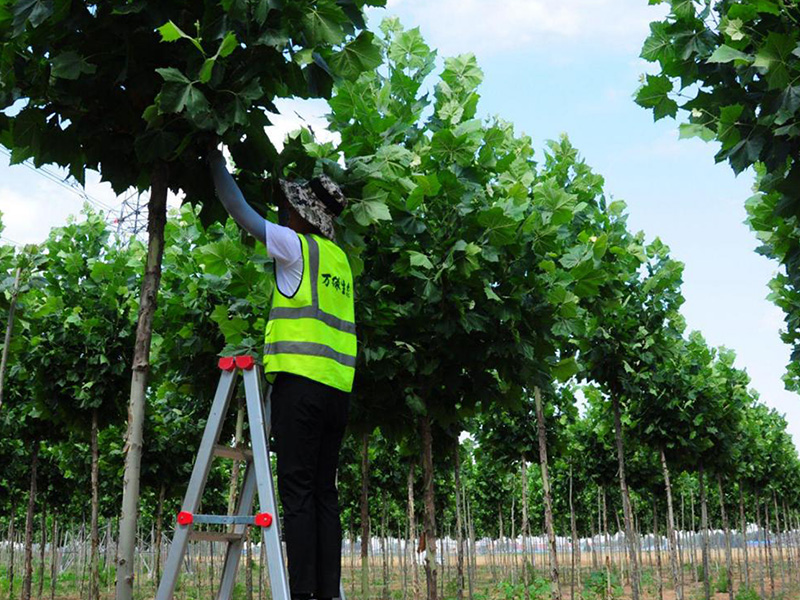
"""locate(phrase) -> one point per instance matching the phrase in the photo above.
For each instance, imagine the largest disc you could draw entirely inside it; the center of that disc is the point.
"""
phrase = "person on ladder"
(309, 357)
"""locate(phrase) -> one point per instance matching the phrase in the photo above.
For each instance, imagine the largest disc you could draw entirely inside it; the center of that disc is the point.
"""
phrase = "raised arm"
(232, 199)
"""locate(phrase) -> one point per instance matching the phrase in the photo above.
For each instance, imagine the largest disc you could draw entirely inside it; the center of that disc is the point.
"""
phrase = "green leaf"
(774, 56)
(690, 130)
(170, 32)
(357, 56)
(655, 95)
(34, 12)
(70, 65)
(207, 70)
(323, 22)
(565, 369)
(368, 212)
(725, 54)
(417, 259)
(172, 74)
(658, 46)
(228, 45)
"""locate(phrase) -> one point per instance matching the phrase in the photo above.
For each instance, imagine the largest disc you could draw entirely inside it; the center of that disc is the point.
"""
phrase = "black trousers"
(308, 423)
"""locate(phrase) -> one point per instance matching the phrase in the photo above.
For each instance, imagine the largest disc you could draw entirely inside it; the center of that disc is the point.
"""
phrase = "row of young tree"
(490, 281)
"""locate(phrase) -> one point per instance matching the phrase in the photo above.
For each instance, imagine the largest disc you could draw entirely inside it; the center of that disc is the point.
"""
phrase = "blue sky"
(568, 66)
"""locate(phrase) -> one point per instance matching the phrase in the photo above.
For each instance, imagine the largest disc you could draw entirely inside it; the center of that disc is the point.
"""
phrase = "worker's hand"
(209, 142)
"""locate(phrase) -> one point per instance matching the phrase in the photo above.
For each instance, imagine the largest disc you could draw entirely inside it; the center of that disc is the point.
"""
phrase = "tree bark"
(626, 501)
(157, 217)
(94, 570)
(576, 547)
(727, 529)
(743, 526)
(779, 541)
(548, 498)
(42, 546)
(525, 574)
(459, 524)
(430, 514)
(673, 550)
(768, 549)
(412, 532)
(54, 557)
(28, 573)
(159, 532)
(11, 541)
(657, 544)
(365, 533)
(704, 527)
(9, 328)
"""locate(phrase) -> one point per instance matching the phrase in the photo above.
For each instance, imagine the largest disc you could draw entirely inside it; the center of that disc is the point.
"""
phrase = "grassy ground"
(487, 584)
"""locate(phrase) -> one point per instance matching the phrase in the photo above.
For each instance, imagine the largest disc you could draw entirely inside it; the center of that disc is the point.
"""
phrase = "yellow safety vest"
(313, 332)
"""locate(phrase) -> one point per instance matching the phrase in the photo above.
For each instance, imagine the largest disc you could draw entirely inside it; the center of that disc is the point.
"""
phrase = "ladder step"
(215, 536)
(240, 454)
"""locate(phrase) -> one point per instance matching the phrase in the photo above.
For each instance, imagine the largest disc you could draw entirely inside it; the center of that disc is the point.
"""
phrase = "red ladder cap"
(245, 362)
(185, 518)
(227, 363)
(263, 519)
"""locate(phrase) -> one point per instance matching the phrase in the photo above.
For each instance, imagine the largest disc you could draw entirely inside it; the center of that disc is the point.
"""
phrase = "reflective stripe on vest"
(312, 333)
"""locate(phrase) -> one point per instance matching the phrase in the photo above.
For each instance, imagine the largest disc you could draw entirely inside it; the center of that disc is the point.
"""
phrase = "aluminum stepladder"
(258, 477)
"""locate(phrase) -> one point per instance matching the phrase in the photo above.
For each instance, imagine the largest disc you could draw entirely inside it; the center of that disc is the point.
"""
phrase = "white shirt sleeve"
(283, 245)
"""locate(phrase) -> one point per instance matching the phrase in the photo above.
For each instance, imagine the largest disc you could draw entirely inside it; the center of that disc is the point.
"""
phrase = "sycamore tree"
(729, 72)
(130, 89)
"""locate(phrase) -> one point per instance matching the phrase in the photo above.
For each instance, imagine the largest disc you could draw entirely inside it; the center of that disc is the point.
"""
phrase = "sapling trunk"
(548, 498)
(575, 542)
(459, 525)
(524, 482)
(412, 530)
(704, 527)
(28, 568)
(365, 533)
(743, 525)
(94, 570)
(42, 545)
(657, 543)
(671, 537)
(157, 217)
(626, 500)
(726, 528)
(779, 536)
(430, 514)
(768, 549)
(54, 557)
(159, 532)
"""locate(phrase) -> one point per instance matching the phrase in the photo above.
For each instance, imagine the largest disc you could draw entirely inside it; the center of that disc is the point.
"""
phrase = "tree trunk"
(692, 540)
(525, 574)
(768, 549)
(42, 546)
(94, 570)
(28, 569)
(743, 526)
(727, 530)
(704, 527)
(459, 524)
(626, 501)
(384, 557)
(430, 515)
(576, 547)
(9, 328)
(157, 217)
(11, 540)
(761, 546)
(365, 515)
(673, 551)
(159, 532)
(237, 441)
(412, 529)
(248, 568)
(54, 557)
(607, 545)
(779, 534)
(548, 498)
(657, 544)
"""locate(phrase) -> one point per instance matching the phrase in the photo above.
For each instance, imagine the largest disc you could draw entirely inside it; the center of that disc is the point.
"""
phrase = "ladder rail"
(197, 483)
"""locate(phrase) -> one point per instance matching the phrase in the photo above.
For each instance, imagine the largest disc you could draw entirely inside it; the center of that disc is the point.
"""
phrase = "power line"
(9, 240)
(73, 187)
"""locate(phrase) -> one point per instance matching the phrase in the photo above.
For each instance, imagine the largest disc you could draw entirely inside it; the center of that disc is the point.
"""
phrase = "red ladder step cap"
(245, 362)
(227, 363)
(185, 518)
(263, 519)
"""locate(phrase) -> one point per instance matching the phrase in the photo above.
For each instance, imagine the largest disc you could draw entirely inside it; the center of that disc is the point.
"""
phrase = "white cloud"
(492, 26)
